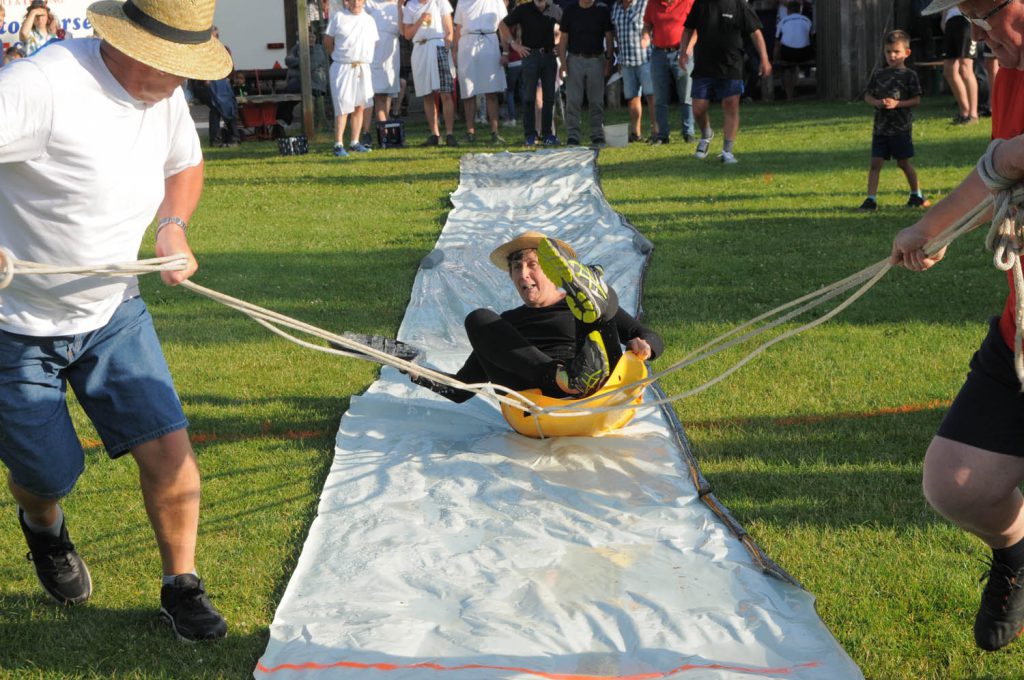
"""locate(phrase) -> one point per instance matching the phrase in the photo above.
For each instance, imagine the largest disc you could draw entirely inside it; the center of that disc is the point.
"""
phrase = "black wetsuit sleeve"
(629, 328)
(471, 372)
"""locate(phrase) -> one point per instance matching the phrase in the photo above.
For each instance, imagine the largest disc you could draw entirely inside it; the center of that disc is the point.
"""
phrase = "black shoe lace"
(54, 557)
(1002, 582)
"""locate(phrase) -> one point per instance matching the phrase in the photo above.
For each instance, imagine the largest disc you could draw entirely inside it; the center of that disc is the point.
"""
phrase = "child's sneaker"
(869, 205)
(703, 147)
(586, 291)
(916, 201)
(366, 140)
(531, 140)
(551, 140)
(359, 147)
(339, 151)
(727, 158)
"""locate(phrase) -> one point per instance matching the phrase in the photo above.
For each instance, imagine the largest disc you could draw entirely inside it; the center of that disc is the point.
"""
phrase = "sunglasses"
(982, 21)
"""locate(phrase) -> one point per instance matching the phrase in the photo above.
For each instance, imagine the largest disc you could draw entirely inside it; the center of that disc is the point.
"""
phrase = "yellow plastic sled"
(628, 370)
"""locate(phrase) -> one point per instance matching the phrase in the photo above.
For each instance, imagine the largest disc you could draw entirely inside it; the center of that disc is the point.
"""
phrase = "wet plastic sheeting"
(447, 546)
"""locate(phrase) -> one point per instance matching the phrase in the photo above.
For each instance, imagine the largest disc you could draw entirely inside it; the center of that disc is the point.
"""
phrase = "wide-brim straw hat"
(937, 6)
(173, 36)
(526, 240)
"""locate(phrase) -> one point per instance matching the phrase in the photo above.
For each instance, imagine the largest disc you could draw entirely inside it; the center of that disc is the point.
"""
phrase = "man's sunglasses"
(982, 21)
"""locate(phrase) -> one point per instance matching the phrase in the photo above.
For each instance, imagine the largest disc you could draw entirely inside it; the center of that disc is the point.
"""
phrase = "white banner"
(70, 13)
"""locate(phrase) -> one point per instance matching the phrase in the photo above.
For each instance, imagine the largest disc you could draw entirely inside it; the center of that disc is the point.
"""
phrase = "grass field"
(816, 447)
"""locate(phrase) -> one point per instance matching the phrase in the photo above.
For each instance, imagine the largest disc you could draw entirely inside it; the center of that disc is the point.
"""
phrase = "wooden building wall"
(850, 43)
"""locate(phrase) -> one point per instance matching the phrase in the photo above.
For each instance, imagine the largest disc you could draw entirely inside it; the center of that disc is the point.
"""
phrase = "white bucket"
(616, 135)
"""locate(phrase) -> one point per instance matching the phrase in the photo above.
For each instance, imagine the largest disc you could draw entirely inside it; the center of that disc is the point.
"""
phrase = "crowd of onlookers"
(515, 63)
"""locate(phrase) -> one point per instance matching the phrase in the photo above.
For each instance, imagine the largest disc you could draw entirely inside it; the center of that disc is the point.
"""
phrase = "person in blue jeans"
(538, 22)
(663, 30)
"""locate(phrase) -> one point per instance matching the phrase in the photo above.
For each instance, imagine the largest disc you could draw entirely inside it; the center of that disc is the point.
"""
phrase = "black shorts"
(796, 55)
(957, 43)
(899, 146)
(989, 410)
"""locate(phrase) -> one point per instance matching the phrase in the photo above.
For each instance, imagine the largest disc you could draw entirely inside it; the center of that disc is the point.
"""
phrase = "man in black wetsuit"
(564, 342)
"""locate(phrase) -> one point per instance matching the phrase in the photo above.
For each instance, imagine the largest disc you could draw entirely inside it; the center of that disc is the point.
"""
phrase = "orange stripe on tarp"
(355, 665)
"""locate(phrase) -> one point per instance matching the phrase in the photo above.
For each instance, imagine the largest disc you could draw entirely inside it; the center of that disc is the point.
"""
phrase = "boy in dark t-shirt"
(893, 92)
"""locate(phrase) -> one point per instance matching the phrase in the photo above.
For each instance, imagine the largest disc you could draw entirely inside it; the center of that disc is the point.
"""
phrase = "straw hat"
(526, 240)
(937, 6)
(173, 36)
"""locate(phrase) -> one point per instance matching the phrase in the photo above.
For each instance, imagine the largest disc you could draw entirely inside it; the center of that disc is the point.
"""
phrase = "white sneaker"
(728, 158)
(702, 149)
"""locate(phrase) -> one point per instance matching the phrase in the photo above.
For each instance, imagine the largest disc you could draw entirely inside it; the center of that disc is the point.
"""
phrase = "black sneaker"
(395, 348)
(366, 140)
(586, 291)
(61, 572)
(869, 205)
(432, 140)
(1000, 618)
(572, 141)
(916, 201)
(188, 609)
(634, 138)
(470, 138)
(588, 370)
(450, 140)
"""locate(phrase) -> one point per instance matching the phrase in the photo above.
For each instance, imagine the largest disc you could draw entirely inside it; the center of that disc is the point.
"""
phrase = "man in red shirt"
(663, 29)
(975, 464)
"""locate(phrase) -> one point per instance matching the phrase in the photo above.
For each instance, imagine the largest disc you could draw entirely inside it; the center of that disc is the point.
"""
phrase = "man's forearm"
(181, 193)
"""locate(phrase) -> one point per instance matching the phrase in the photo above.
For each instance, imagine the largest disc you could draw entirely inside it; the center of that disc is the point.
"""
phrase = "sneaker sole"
(585, 301)
(166, 617)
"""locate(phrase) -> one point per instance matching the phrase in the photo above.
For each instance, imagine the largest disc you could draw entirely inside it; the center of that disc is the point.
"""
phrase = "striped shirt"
(629, 26)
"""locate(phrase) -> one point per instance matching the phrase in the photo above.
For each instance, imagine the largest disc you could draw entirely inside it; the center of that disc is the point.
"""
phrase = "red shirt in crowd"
(667, 19)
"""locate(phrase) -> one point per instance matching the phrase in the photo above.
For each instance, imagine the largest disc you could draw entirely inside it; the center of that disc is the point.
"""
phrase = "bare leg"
(357, 123)
(635, 114)
(910, 173)
(448, 109)
(430, 112)
(339, 129)
(873, 174)
(951, 71)
(976, 490)
(731, 117)
(41, 512)
(700, 115)
(469, 110)
(650, 115)
(169, 477)
(492, 111)
(966, 67)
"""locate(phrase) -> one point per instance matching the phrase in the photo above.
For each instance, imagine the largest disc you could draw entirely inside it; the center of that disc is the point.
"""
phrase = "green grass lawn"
(816, 447)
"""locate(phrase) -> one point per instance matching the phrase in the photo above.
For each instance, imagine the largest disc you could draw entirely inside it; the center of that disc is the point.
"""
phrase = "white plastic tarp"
(447, 546)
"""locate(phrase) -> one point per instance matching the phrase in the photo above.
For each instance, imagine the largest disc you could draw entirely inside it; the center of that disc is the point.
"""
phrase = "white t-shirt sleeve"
(26, 112)
(446, 7)
(183, 149)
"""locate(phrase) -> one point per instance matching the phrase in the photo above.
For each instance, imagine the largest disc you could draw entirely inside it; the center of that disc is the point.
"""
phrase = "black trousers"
(512, 360)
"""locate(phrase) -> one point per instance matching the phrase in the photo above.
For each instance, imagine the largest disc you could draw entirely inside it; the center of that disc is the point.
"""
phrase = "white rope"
(621, 397)
(1005, 237)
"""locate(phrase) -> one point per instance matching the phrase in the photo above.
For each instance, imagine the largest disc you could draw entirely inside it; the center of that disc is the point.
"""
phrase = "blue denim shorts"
(716, 89)
(119, 376)
(636, 80)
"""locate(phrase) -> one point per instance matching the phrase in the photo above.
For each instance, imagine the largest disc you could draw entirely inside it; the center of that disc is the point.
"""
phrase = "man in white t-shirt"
(478, 60)
(96, 140)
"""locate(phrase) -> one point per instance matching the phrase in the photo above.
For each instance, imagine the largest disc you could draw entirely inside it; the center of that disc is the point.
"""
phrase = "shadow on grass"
(839, 471)
(93, 641)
